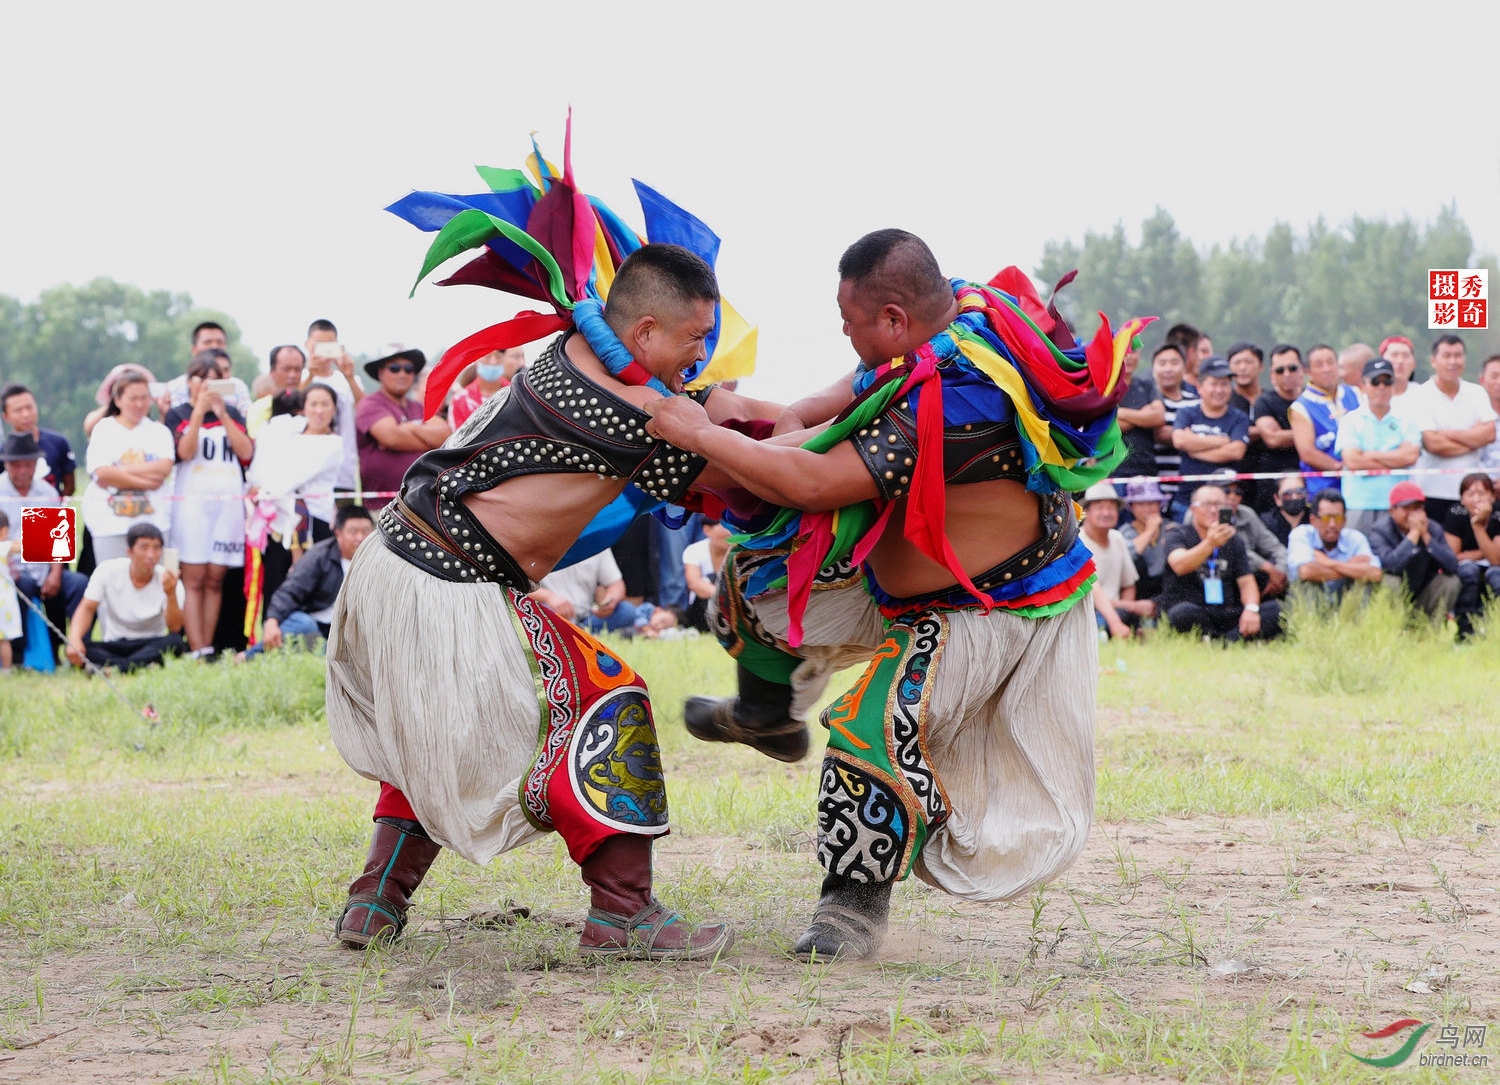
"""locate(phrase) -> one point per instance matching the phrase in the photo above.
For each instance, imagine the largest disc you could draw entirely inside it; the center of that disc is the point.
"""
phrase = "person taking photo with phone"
(1209, 585)
(208, 516)
(329, 363)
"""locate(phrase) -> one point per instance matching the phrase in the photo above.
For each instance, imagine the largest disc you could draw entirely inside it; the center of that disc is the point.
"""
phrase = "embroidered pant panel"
(964, 753)
(496, 719)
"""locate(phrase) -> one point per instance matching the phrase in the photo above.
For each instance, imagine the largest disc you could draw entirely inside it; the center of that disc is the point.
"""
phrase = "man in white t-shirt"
(1456, 421)
(591, 594)
(336, 369)
(1116, 608)
(138, 604)
(1489, 380)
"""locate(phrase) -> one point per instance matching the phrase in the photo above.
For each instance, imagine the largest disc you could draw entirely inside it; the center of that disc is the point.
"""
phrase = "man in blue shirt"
(1324, 558)
(1373, 438)
(1210, 434)
(1315, 417)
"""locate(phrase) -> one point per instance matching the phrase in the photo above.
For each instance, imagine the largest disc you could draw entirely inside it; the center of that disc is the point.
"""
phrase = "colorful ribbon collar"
(588, 318)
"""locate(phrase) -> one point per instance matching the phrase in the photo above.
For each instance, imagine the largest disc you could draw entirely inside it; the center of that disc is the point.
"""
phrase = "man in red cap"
(1414, 555)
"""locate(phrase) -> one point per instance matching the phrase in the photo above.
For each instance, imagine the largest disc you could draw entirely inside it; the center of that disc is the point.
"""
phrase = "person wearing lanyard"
(1209, 585)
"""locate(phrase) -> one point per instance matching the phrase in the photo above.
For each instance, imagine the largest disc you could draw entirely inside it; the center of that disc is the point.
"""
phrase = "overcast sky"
(245, 158)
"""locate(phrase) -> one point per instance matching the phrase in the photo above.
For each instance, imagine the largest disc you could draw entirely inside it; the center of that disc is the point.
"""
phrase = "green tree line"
(62, 344)
(1359, 282)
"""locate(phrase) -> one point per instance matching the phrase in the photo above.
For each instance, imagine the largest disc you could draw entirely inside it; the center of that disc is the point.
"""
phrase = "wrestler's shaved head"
(894, 267)
(660, 281)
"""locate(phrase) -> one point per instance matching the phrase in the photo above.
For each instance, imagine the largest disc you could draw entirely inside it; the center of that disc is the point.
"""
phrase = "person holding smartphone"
(208, 517)
(138, 603)
(1209, 585)
(329, 363)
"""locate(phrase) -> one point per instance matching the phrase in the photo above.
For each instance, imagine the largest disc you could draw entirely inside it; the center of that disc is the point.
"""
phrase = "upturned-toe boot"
(627, 921)
(400, 854)
(759, 717)
(849, 921)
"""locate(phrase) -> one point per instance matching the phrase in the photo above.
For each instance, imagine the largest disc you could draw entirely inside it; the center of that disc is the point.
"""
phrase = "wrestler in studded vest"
(555, 419)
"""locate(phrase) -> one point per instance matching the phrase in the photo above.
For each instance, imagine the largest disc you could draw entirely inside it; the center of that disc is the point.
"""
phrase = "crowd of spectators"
(218, 519)
(1345, 473)
(225, 521)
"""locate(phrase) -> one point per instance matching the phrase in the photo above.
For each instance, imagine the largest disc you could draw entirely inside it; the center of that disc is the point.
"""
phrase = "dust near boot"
(400, 854)
(627, 921)
(759, 717)
(849, 921)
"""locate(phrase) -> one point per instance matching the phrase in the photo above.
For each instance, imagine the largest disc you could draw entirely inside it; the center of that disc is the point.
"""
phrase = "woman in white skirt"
(208, 517)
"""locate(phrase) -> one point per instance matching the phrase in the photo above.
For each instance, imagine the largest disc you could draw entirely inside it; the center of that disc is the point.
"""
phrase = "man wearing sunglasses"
(1272, 428)
(1325, 558)
(388, 426)
(1373, 438)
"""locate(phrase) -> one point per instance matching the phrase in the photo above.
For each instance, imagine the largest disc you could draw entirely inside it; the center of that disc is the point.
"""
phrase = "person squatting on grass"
(139, 603)
(487, 718)
(1210, 585)
(965, 752)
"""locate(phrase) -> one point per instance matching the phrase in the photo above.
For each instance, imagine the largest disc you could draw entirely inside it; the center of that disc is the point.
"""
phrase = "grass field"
(1294, 844)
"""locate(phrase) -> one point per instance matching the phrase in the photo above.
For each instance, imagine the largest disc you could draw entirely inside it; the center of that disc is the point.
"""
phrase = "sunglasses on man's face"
(1331, 519)
(401, 367)
(1280, 369)
(1382, 382)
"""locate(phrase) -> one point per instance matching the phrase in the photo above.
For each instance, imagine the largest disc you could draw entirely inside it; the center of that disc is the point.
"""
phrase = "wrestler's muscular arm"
(783, 474)
(817, 408)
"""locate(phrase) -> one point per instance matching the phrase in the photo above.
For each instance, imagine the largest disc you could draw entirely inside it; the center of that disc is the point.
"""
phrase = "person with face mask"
(1290, 508)
(493, 372)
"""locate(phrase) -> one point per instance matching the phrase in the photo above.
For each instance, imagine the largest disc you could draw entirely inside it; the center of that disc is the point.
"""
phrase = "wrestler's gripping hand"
(678, 420)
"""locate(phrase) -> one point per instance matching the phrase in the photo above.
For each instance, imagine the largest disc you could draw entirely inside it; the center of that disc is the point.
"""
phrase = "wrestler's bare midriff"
(987, 522)
(536, 518)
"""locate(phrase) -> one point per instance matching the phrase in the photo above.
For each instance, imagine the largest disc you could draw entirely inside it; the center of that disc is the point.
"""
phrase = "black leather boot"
(400, 854)
(849, 921)
(759, 717)
(626, 920)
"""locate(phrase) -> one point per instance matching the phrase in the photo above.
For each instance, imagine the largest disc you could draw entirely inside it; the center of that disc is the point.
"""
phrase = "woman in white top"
(129, 462)
(208, 522)
(297, 463)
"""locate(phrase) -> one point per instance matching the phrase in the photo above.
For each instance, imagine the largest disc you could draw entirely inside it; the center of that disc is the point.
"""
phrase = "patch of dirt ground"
(1181, 914)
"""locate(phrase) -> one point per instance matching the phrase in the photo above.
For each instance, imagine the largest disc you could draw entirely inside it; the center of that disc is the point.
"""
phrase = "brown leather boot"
(400, 854)
(627, 921)
(849, 921)
(759, 717)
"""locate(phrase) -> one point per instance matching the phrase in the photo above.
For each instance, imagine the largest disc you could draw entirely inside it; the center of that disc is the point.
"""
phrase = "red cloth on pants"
(597, 771)
(393, 804)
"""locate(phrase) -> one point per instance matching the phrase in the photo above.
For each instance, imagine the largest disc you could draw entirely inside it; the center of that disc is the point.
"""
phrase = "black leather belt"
(485, 560)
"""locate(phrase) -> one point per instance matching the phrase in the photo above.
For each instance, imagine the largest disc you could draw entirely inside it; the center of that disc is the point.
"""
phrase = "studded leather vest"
(972, 452)
(551, 419)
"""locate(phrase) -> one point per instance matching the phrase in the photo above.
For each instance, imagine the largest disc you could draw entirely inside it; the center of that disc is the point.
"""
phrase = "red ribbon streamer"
(524, 328)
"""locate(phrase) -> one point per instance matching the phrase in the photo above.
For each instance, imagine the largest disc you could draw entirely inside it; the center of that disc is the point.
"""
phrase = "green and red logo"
(1402, 1053)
